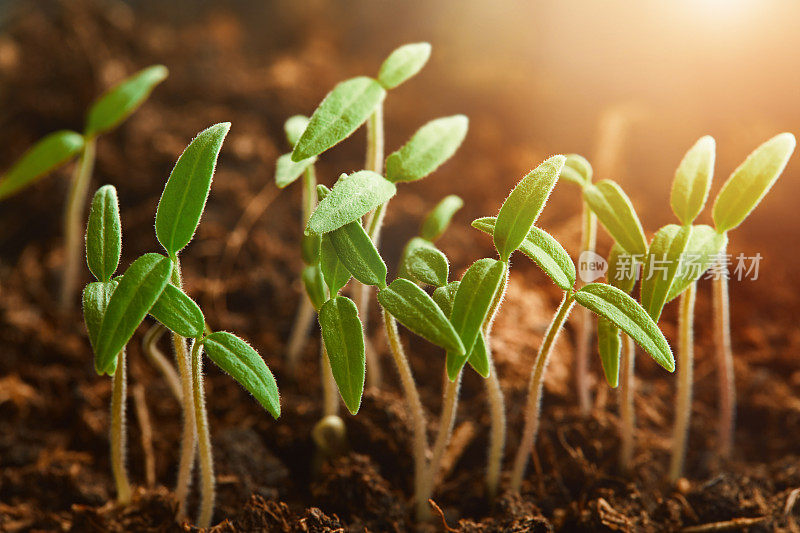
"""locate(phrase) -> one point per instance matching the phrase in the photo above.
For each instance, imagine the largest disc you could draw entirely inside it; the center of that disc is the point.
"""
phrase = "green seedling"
(152, 285)
(57, 149)
(513, 229)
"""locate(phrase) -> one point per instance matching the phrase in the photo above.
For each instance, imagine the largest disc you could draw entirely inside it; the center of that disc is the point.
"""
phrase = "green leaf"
(662, 264)
(42, 158)
(287, 171)
(523, 206)
(432, 145)
(751, 181)
(424, 262)
(344, 340)
(693, 180)
(479, 357)
(104, 234)
(471, 307)
(184, 197)
(403, 63)
(622, 269)
(309, 248)
(352, 197)
(119, 102)
(445, 296)
(542, 249)
(625, 313)
(358, 254)
(95, 301)
(417, 311)
(437, 221)
(315, 285)
(323, 191)
(138, 290)
(615, 211)
(294, 128)
(577, 170)
(704, 246)
(334, 272)
(342, 111)
(179, 313)
(609, 343)
(242, 363)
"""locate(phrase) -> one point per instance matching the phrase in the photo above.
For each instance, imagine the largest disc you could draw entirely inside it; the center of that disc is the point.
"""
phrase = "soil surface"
(54, 465)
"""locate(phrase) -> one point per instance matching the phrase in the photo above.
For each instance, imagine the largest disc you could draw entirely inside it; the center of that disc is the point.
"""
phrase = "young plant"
(152, 285)
(58, 148)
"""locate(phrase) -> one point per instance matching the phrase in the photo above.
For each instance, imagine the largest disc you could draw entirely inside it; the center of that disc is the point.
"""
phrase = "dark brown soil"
(54, 466)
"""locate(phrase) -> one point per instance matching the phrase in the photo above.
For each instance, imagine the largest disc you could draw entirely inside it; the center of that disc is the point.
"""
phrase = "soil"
(54, 465)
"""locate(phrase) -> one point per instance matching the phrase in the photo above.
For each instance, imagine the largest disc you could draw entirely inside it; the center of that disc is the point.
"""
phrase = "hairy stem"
(497, 406)
(330, 392)
(118, 433)
(207, 492)
(683, 410)
(626, 407)
(157, 359)
(533, 405)
(585, 322)
(417, 414)
(726, 381)
(74, 223)
(447, 419)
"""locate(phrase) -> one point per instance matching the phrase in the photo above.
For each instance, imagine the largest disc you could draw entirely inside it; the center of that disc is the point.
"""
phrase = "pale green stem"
(626, 407)
(585, 322)
(533, 405)
(118, 436)
(207, 493)
(447, 419)
(157, 359)
(497, 407)
(726, 381)
(74, 223)
(683, 407)
(420, 439)
(330, 393)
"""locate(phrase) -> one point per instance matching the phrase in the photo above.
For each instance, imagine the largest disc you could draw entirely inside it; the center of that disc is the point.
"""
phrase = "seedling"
(513, 229)
(152, 285)
(57, 149)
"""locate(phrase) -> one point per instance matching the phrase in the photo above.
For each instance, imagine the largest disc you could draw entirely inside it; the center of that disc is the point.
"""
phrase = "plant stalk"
(74, 223)
(497, 406)
(683, 411)
(533, 405)
(446, 421)
(626, 406)
(118, 433)
(330, 391)
(161, 363)
(417, 414)
(725, 373)
(585, 322)
(207, 493)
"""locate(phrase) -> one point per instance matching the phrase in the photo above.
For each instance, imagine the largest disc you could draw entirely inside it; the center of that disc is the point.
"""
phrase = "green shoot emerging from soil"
(58, 148)
(114, 308)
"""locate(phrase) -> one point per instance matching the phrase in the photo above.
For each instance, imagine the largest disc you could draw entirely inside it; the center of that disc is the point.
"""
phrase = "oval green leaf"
(334, 272)
(432, 145)
(242, 363)
(616, 213)
(424, 262)
(693, 180)
(104, 234)
(287, 171)
(95, 301)
(625, 313)
(622, 269)
(342, 111)
(704, 246)
(119, 102)
(662, 264)
(42, 158)
(609, 343)
(523, 206)
(577, 170)
(352, 197)
(294, 127)
(185, 194)
(751, 181)
(437, 221)
(315, 285)
(445, 296)
(358, 254)
(344, 341)
(403, 64)
(479, 357)
(413, 308)
(138, 290)
(179, 313)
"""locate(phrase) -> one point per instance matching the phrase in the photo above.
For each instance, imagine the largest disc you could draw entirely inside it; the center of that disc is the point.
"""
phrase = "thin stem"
(683, 411)
(157, 359)
(118, 436)
(330, 392)
(626, 407)
(447, 419)
(207, 493)
(497, 407)
(417, 414)
(73, 223)
(727, 383)
(584, 318)
(533, 406)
